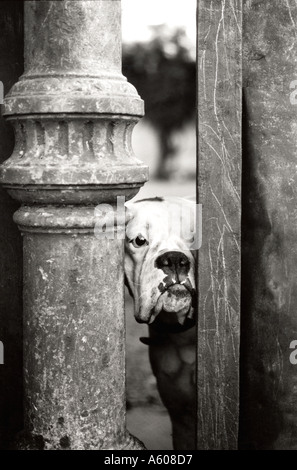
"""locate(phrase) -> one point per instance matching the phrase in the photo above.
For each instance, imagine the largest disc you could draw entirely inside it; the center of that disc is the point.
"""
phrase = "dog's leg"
(174, 367)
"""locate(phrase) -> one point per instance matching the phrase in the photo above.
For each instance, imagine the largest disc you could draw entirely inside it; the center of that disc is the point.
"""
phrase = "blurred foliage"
(164, 72)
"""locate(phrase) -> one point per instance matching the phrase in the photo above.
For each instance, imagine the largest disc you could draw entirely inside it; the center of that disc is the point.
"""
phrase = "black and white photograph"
(148, 227)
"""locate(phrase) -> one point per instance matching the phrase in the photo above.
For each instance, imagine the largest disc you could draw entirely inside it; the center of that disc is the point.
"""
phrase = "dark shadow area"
(11, 382)
(260, 414)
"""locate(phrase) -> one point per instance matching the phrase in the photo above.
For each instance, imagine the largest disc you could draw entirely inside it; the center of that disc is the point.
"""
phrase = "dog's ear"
(129, 212)
(127, 284)
(128, 217)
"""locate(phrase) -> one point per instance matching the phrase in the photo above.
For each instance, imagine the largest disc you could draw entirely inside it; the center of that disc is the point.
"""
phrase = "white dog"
(160, 274)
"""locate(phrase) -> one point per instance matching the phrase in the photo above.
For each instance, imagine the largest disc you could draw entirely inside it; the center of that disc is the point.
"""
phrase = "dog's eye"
(139, 241)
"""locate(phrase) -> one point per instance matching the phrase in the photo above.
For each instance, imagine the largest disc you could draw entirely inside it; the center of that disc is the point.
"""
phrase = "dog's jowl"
(160, 274)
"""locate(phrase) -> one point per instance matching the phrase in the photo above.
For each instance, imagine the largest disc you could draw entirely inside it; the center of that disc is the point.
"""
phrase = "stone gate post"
(73, 113)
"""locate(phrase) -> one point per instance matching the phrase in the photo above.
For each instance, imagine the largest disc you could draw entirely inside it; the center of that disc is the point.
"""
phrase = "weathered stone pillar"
(73, 113)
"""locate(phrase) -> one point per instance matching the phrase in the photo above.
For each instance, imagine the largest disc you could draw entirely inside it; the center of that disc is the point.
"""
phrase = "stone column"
(73, 113)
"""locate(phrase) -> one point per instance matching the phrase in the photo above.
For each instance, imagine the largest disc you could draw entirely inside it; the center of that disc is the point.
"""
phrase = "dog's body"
(160, 274)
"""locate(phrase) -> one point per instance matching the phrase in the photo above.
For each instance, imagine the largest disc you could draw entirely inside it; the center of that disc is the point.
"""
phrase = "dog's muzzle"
(174, 308)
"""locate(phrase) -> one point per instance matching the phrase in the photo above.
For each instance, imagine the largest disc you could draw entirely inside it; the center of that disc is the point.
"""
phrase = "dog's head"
(160, 261)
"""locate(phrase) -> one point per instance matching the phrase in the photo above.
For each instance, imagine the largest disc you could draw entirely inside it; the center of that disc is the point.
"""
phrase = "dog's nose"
(173, 262)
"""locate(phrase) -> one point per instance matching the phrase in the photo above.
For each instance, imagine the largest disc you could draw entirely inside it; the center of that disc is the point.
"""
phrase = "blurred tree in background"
(164, 73)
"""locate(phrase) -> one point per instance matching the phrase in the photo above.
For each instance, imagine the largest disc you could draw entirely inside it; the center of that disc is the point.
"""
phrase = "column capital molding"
(73, 93)
(72, 159)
